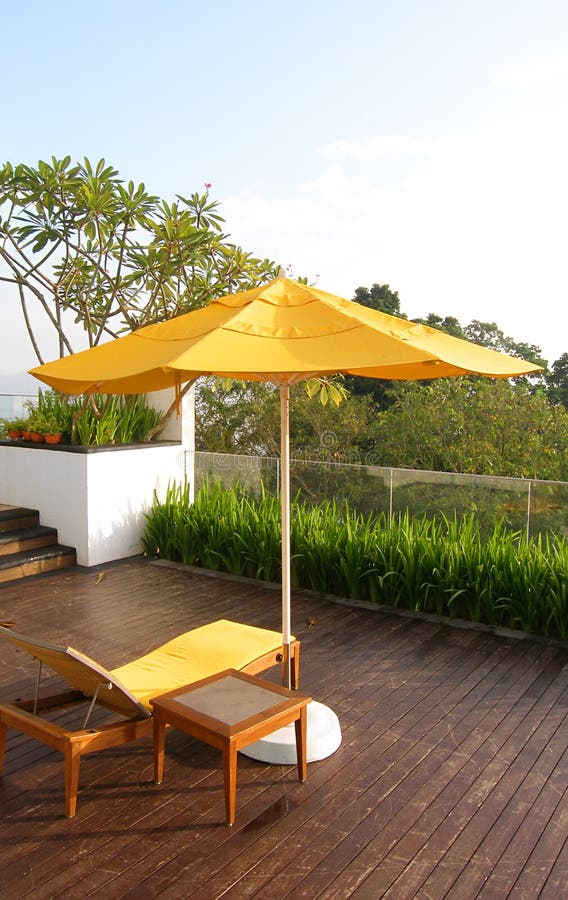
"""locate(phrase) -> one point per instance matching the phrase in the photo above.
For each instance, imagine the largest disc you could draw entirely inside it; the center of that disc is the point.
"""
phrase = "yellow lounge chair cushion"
(197, 654)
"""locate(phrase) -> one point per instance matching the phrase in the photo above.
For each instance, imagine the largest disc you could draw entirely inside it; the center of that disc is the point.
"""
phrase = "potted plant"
(60, 421)
(13, 428)
(53, 427)
(36, 426)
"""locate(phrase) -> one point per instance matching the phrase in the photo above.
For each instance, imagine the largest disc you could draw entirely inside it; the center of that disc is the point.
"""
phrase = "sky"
(418, 143)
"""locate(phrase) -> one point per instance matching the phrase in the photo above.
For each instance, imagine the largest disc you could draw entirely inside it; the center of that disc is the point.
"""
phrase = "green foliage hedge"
(93, 421)
(427, 565)
(116, 419)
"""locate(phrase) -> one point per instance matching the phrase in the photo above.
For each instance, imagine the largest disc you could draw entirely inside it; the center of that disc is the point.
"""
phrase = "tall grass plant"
(443, 566)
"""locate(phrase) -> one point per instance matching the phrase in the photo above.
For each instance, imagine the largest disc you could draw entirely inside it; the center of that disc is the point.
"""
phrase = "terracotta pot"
(14, 434)
(52, 438)
(26, 435)
(36, 437)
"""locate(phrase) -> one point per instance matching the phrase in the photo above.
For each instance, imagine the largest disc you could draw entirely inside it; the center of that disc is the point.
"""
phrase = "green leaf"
(40, 243)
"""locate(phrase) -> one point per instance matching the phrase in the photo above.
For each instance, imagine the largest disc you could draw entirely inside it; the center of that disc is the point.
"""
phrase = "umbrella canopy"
(283, 332)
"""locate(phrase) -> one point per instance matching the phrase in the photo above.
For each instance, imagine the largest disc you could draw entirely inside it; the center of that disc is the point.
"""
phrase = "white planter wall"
(97, 499)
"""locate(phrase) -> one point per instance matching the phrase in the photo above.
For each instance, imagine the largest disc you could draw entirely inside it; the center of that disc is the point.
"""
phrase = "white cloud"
(538, 72)
(474, 227)
(378, 147)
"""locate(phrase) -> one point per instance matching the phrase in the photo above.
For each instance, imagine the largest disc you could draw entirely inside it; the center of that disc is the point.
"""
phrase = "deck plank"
(452, 778)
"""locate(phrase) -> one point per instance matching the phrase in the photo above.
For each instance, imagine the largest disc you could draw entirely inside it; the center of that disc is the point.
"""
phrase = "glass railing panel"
(250, 472)
(365, 488)
(14, 406)
(549, 508)
(444, 494)
(532, 507)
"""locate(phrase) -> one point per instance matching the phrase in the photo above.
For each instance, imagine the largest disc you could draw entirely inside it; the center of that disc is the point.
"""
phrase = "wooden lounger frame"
(23, 715)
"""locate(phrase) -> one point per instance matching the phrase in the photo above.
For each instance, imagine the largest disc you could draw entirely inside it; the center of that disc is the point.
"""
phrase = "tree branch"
(28, 324)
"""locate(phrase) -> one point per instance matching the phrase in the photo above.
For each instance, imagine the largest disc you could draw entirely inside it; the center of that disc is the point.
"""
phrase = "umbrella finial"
(282, 272)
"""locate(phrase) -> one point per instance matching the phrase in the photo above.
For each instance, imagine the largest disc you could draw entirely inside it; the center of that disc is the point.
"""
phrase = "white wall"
(97, 500)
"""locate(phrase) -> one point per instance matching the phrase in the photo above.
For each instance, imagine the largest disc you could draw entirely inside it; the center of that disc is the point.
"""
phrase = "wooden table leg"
(301, 726)
(159, 747)
(230, 776)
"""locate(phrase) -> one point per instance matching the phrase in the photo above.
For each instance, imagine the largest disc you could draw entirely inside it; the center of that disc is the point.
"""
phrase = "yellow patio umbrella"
(283, 332)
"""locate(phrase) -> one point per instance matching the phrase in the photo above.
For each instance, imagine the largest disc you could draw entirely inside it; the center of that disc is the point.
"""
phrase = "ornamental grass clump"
(95, 420)
(222, 530)
(115, 419)
(441, 566)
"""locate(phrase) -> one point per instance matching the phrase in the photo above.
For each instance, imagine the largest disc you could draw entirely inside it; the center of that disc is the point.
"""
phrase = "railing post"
(529, 512)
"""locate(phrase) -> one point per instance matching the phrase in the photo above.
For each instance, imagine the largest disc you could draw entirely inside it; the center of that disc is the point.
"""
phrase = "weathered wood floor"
(452, 779)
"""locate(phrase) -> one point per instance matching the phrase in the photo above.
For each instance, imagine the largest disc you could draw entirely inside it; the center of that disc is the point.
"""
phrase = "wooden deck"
(452, 779)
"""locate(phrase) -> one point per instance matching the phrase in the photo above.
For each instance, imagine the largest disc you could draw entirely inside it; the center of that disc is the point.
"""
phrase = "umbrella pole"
(285, 513)
(323, 729)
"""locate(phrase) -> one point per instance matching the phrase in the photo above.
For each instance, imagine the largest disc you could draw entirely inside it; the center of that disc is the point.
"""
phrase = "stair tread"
(18, 534)
(17, 512)
(36, 546)
(30, 556)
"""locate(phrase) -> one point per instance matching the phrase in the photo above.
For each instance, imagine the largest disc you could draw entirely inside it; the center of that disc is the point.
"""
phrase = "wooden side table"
(229, 710)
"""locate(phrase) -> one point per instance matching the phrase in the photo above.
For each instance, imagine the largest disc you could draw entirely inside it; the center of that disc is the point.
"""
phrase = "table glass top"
(230, 700)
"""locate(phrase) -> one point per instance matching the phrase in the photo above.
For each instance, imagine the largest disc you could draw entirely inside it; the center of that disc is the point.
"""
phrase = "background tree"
(557, 381)
(381, 298)
(244, 417)
(237, 417)
(449, 324)
(488, 334)
(82, 246)
(474, 426)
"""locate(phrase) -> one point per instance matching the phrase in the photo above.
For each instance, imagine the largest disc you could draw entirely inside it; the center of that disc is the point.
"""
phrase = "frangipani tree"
(80, 245)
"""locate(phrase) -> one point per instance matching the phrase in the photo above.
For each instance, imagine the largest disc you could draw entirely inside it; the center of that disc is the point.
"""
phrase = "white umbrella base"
(279, 748)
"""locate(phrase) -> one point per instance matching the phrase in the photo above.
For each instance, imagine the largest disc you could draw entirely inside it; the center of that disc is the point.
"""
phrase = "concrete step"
(26, 539)
(35, 562)
(17, 517)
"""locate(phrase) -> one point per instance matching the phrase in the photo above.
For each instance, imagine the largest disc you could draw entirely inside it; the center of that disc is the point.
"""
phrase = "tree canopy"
(245, 418)
(82, 245)
(477, 426)
(557, 381)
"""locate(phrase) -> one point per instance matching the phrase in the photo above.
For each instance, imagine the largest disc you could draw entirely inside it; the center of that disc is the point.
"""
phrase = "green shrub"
(442, 566)
(114, 419)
